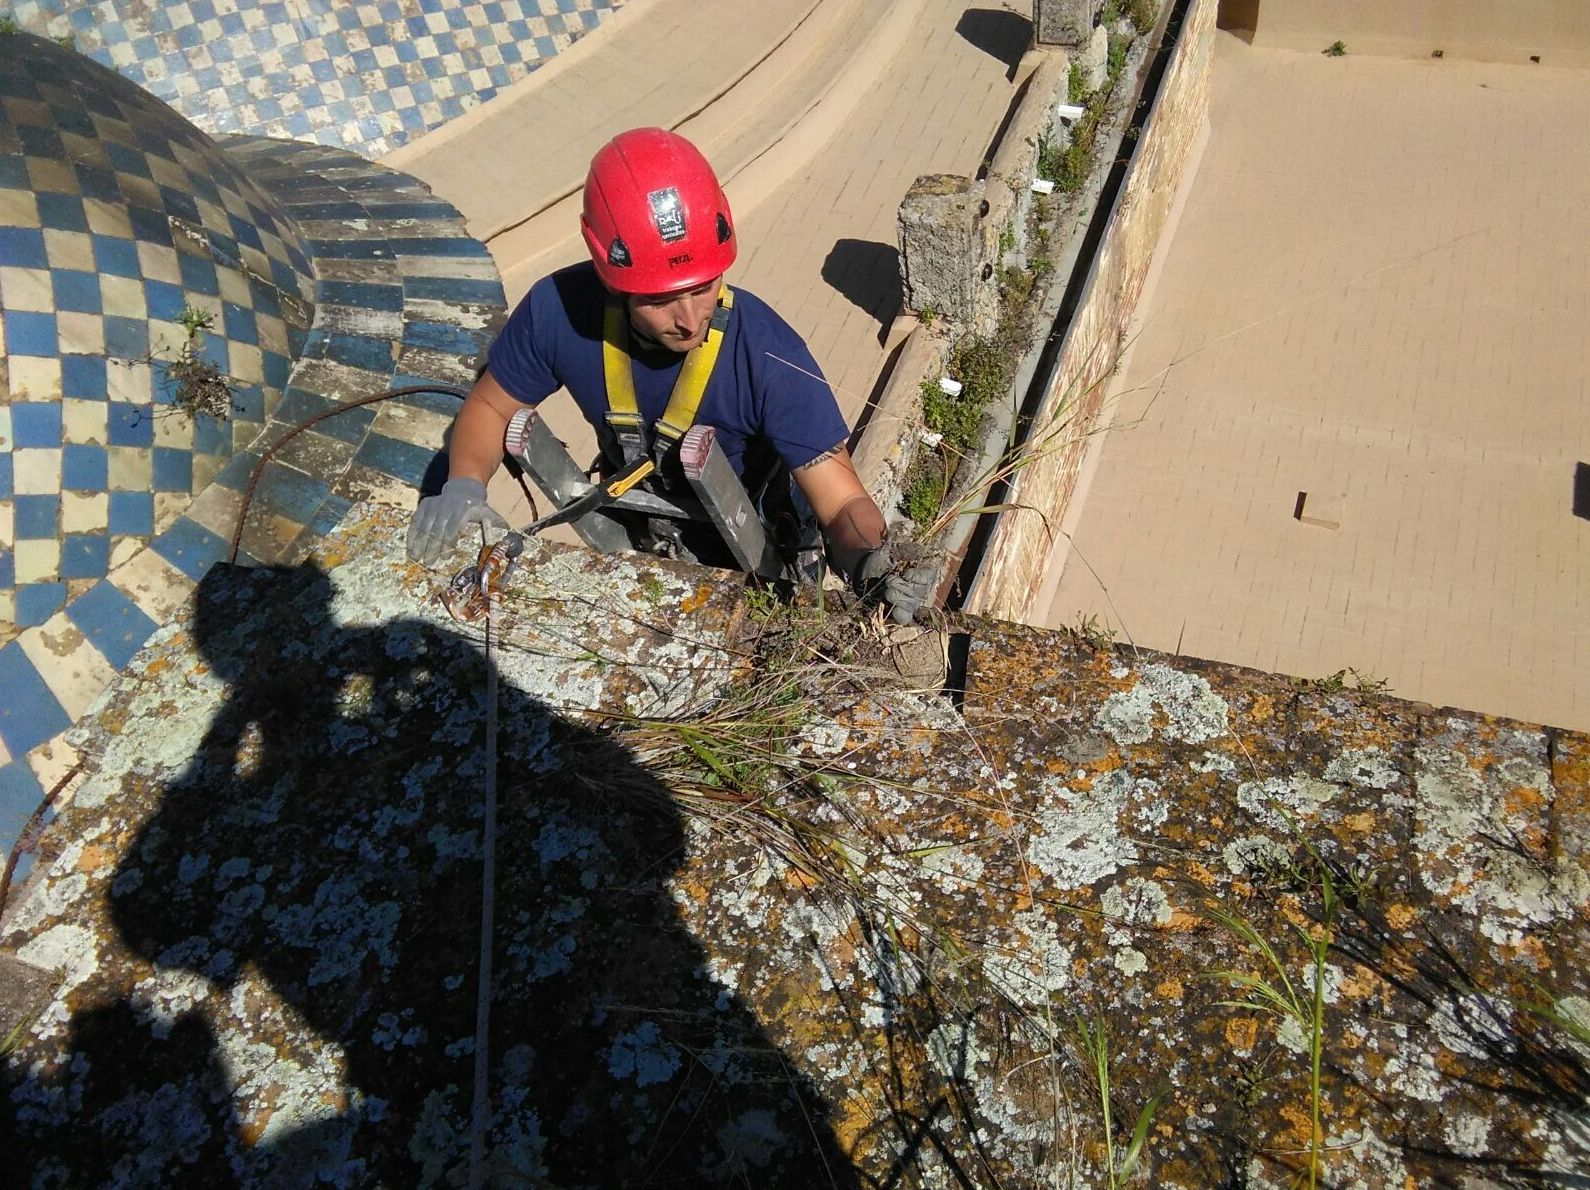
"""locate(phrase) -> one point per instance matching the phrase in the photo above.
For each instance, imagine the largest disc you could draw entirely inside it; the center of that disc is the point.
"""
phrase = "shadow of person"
(308, 890)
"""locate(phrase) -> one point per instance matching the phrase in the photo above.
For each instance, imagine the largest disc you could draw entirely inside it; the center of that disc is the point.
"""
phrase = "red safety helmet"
(655, 218)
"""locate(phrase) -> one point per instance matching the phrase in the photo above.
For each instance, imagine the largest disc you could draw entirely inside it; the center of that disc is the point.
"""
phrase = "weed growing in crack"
(1272, 991)
(1094, 1040)
(1349, 679)
(1091, 629)
(196, 383)
(1142, 14)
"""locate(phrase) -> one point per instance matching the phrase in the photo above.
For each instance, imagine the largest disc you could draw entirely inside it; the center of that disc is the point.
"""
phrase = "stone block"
(1094, 58)
(1065, 22)
(940, 244)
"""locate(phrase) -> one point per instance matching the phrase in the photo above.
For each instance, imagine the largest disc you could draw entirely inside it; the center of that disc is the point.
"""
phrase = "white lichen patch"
(747, 1143)
(1289, 1033)
(1467, 852)
(1364, 768)
(71, 950)
(953, 867)
(1412, 1072)
(1136, 902)
(954, 1050)
(825, 737)
(1080, 841)
(1285, 803)
(1028, 963)
(1376, 1163)
(1467, 1135)
(1192, 711)
(1576, 1011)
(1476, 1026)
(51, 899)
(165, 997)
(642, 1055)
(1253, 854)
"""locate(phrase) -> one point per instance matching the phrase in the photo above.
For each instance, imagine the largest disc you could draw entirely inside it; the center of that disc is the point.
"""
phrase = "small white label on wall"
(950, 388)
(1042, 186)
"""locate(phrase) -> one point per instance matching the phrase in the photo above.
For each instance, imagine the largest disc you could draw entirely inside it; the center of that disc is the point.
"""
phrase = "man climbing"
(648, 339)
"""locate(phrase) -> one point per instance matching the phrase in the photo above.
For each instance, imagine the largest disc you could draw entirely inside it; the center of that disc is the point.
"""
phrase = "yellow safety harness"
(623, 412)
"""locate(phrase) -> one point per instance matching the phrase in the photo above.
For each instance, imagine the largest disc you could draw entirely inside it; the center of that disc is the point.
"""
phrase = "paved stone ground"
(822, 249)
(1376, 294)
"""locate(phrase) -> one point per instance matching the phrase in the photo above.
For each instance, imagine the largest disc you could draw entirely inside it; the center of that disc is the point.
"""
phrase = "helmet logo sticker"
(618, 254)
(724, 231)
(668, 213)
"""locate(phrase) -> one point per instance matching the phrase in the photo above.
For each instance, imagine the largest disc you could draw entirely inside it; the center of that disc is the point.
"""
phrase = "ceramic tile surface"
(362, 74)
(324, 279)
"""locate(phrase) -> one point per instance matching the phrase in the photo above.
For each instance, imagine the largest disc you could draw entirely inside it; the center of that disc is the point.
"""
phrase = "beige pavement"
(1377, 294)
(822, 247)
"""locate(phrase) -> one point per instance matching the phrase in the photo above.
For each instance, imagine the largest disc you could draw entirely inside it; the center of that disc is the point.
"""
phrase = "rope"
(481, 1113)
(259, 467)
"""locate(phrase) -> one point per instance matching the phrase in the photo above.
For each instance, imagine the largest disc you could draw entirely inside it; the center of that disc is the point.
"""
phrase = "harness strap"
(684, 402)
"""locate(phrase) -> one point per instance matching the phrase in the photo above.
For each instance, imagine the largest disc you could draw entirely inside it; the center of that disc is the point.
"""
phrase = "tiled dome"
(116, 216)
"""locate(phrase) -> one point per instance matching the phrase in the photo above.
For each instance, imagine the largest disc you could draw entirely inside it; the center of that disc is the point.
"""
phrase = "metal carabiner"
(468, 596)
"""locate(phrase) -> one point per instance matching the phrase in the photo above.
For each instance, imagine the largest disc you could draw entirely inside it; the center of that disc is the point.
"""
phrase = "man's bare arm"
(475, 447)
(849, 517)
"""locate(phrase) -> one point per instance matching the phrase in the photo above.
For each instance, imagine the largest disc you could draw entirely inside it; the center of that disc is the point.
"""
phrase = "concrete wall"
(1489, 30)
(1013, 566)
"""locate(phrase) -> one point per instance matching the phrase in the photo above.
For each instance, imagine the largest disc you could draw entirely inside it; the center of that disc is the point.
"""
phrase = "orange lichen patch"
(1242, 1033)
(1360, 983)
(252, 1128)
(331, 556)
(155, 666)
(1530, 950)
(1293, 913)
(853, 1122)
(1359, 824)
(1170, 989)
(1201, 874)
(1183, 921)
(1301, 1125)
(693, 888)
(1262, 710)
(1524, 797)
(697, 600)
(94, 858)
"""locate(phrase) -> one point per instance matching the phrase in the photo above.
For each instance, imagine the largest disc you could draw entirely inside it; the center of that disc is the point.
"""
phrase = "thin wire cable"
(480, 1114)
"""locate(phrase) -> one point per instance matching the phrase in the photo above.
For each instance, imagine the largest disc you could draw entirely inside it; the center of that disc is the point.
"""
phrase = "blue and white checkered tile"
(402, 295)
(116, 217)
(367, 75)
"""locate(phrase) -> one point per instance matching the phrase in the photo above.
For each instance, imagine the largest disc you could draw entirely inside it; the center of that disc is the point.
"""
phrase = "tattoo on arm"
(833, 452)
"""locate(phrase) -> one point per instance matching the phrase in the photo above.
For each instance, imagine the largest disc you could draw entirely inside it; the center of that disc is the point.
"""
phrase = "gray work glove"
(441, 518)
(906, 590)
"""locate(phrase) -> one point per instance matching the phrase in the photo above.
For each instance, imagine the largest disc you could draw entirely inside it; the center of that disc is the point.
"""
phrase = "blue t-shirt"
(760, 396)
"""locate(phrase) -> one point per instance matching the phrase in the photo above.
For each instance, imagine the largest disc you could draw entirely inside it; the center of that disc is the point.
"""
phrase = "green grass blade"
(1140, 1134)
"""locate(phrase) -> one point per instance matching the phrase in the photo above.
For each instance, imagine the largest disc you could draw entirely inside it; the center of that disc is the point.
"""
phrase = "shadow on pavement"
(999, 33)
(308, 890)
(866, 274)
